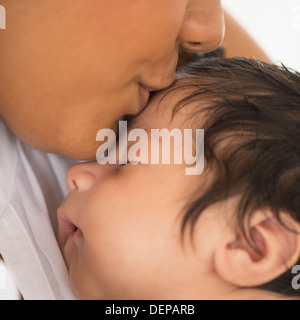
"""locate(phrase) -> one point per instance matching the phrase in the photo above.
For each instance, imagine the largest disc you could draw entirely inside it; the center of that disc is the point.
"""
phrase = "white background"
(274, 24)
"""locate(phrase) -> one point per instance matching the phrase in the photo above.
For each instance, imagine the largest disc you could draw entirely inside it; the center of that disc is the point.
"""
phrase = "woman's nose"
(203, 26)
(82, 177)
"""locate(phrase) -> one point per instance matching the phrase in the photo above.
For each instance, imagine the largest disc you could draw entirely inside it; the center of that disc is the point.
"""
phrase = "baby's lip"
(67, 229)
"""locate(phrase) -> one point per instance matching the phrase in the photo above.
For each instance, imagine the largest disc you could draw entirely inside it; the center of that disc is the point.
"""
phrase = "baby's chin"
(83, 287)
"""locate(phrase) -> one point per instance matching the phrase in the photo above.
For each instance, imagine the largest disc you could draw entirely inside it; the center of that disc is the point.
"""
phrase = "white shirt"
(32, 185)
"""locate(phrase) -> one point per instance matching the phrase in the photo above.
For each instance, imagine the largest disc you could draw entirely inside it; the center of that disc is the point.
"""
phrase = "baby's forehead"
(169, 109)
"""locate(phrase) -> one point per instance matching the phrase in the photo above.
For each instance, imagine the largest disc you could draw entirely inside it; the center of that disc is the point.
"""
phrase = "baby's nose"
(82, 177)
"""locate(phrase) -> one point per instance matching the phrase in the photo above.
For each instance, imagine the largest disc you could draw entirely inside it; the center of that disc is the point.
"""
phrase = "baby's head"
(150, 231)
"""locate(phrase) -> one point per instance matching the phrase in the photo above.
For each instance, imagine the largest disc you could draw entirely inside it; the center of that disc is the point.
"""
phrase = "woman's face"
(70, 68)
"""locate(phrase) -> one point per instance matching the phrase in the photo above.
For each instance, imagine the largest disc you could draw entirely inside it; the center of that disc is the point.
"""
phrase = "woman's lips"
(145, 92)
(67, 229)
(144, 97)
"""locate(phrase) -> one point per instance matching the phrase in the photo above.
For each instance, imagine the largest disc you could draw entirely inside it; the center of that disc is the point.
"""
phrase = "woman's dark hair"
(252, 135)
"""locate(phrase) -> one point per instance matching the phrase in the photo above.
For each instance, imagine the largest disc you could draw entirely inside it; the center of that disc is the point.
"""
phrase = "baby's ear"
(271, 249)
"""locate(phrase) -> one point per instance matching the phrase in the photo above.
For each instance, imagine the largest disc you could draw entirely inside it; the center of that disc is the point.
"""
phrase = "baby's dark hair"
(252, 137)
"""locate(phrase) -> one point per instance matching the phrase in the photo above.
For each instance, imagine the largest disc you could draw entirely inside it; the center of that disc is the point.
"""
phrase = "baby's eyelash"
(125, 164)
(129, 162)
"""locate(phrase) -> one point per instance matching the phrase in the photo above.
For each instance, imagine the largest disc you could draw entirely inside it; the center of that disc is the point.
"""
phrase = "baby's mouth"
(67, 229)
